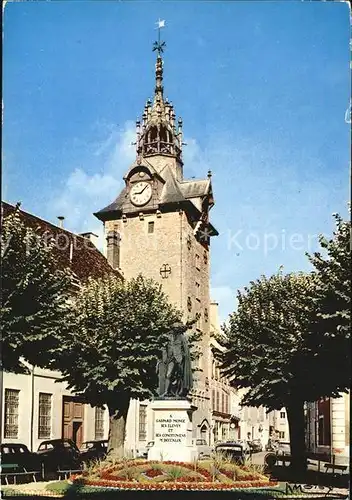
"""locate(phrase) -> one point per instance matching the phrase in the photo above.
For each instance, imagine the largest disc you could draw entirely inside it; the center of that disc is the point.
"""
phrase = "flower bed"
(179, 485)
(149, 475)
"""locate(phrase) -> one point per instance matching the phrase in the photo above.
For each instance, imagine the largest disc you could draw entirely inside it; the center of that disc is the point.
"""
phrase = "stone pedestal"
(173, 431)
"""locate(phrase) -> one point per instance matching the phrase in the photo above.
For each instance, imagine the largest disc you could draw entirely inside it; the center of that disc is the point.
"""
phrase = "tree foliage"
(265, 338)
(266, 350)
(34, 295)
(332, 296)
(110, 355)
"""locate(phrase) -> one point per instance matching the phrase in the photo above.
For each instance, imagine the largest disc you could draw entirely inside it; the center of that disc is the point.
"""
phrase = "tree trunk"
(117, 428)
(296, 422)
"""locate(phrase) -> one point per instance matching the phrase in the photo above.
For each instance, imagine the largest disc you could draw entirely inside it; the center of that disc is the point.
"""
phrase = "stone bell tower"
(159, 226)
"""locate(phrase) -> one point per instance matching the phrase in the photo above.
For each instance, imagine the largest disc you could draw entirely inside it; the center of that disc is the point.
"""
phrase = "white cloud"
(195, 163)
(225, 296)
(84, 193)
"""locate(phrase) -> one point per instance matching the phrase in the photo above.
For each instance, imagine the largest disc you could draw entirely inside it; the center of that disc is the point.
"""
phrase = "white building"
(278, 425)
(36, 407)
(328, 428)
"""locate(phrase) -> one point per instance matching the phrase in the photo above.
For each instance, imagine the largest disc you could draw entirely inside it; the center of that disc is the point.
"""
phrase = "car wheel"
(270, 460)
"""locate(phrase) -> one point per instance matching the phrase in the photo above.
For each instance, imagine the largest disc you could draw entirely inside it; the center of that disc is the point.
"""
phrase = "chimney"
(113, 249)
(61, 220)
(91, 237)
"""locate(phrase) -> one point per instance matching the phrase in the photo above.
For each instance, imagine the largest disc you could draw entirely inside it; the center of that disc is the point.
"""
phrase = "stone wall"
(151, 243)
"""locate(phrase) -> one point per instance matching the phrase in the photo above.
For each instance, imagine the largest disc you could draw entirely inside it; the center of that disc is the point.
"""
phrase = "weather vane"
(159, 46)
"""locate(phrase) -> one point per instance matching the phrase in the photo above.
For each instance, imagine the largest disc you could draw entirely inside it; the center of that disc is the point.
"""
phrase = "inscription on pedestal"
(170, 428)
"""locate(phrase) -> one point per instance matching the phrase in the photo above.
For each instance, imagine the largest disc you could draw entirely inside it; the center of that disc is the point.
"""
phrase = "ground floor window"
(12, 398)
(99, 423)
(324, 428)
(44, 416)
(142, 422)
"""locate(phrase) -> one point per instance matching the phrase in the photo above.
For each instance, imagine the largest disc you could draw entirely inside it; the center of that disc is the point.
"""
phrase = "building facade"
(224, 398)
(37, 407)
(328, 428)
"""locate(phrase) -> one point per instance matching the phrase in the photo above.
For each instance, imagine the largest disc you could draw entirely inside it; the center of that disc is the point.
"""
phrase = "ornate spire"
(159, 76)
(158, 134)
(159, 46)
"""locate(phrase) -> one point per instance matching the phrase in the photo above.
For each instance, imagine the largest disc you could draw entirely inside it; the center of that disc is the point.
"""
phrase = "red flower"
(153, 472)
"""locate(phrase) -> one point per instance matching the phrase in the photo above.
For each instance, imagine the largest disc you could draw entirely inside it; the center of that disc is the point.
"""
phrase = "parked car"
(15, 456)
(272, 445)
(59, 454)
(245, 445)
(233, 450)
(255, 445)
(93, 450)
(284, 448)
(204, 450)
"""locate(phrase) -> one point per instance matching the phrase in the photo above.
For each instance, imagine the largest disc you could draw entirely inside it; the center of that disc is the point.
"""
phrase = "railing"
(160, 147)
(318, 465)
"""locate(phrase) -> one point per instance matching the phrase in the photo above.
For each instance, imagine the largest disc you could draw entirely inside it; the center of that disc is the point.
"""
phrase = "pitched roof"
(114, 206)
(71, 250)
(171, 192)
(195, 189)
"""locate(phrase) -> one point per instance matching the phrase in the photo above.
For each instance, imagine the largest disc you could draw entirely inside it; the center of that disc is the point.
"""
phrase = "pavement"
(36, 488)
(258, 459)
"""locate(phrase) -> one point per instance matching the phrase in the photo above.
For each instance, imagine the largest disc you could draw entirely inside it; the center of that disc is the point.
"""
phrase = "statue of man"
(174, 368)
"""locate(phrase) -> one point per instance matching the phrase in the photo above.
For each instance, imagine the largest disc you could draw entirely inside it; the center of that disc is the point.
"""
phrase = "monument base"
(173, 431)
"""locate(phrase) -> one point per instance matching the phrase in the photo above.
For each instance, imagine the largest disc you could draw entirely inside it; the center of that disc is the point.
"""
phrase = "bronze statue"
(174, 367)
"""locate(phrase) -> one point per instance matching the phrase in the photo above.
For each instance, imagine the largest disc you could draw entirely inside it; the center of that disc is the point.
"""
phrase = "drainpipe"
(181, 257)
(136, 412)
(1, 400)
(32, 409)
(331, 428)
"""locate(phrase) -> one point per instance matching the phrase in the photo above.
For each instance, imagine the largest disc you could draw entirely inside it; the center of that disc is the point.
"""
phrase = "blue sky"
(262, 87)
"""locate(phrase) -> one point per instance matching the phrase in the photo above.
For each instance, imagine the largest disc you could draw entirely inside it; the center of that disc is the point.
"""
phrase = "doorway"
(73, 419)
(77, 436)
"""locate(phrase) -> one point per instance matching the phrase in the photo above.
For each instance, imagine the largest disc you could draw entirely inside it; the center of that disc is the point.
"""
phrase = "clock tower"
(159, 226)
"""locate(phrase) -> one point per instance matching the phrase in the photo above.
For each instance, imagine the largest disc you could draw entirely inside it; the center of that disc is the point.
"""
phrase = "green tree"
(34, 295)
(332, 295)
(110, 356)
(266, 350)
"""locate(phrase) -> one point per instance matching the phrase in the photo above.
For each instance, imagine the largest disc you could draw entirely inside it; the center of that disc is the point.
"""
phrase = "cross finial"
(159, 46)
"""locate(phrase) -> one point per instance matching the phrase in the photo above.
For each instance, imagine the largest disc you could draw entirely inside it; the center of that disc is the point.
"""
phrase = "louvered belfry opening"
(158, 133)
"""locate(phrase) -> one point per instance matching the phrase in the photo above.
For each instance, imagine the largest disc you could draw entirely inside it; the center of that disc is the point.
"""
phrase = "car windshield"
(45, 446)
(229, 447)
(6, 450)
(86, 446)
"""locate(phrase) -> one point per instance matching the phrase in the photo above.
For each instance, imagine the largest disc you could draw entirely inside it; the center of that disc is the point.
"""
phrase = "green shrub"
(174, 472)
(58, 487)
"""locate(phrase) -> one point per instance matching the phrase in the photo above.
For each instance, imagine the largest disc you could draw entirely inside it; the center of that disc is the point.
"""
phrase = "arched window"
(163, 134)
(153, 134)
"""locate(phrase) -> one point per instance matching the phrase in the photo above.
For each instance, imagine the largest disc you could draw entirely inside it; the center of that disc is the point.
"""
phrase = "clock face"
(140, 193)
